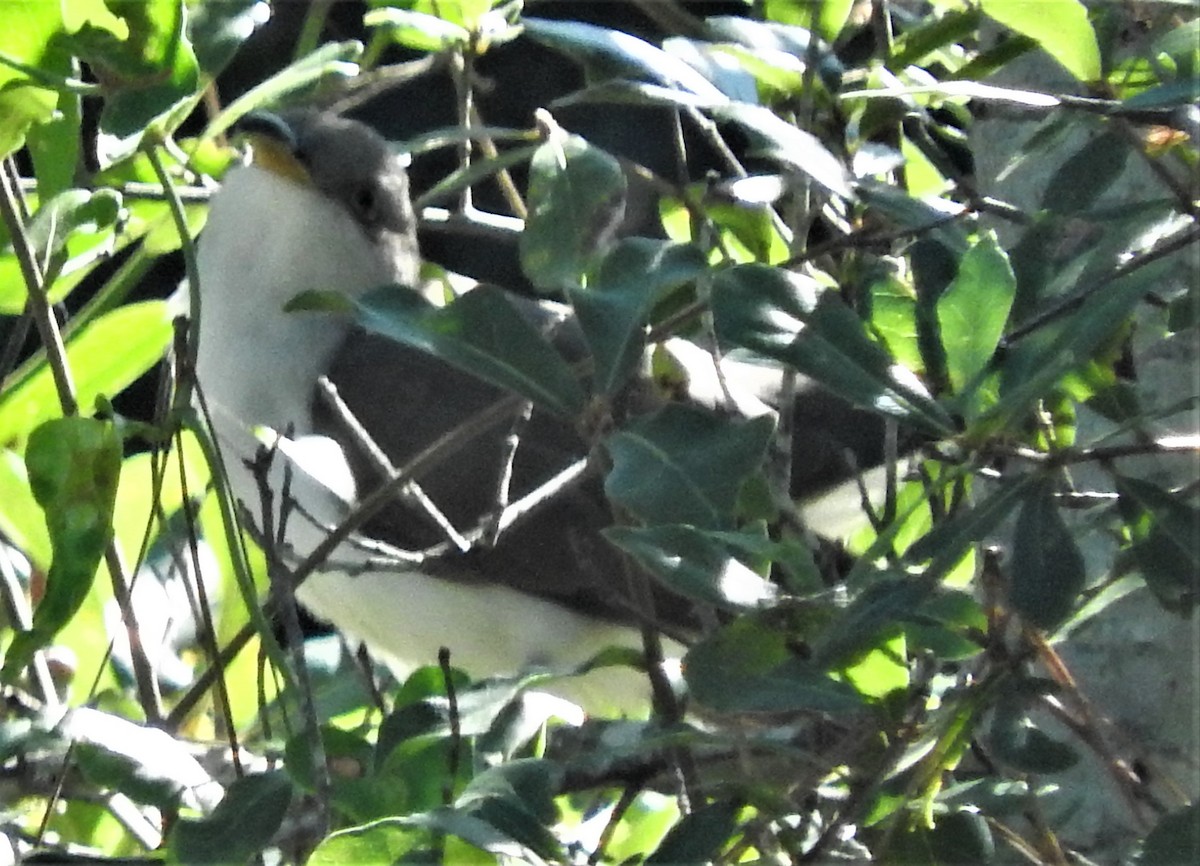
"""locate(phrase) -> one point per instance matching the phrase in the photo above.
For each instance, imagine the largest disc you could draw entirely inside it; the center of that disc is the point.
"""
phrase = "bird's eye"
(365, 203)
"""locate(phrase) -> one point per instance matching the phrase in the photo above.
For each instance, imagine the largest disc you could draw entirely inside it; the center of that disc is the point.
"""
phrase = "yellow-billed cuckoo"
(324, 204)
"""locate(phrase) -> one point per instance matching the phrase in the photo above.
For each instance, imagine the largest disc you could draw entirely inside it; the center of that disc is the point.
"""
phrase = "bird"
(323, 203)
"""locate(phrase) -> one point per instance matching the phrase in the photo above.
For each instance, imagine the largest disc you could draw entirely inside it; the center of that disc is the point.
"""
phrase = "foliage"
(901, 698)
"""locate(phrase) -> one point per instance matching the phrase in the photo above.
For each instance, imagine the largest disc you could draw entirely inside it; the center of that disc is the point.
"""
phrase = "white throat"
(256, 362)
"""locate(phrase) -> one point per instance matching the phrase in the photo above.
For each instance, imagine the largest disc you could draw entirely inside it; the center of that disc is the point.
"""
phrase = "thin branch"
(1174, 243)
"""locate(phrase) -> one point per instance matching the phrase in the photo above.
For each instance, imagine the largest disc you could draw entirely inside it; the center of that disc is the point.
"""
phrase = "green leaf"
(21, 521)
(614, 308)
(217, 31)
(608, 53)
(746, 667)
(416, 30)
(1046, 566)
(874, 616)
(471, 174)
(1086, 174)
(482, 334)
(950, 540)
(68, 234)
(576, 199)
(1166, 541)
(962, 836)
(1040, 361)
(74, 465)
(774, 138)
(826, 17)
(468, 14)
(29, 26)
(1061, 27)
(331, 60)
(973, 310)
(788, 317)
(517, 798)
(147, 764)
(768, 36)
(55, 145)
(380, 843)
(700, 836)
(242, 824)
(937, 32)
(683, 465)
(1019, 742)
(693, 564)
(1174, 840)
(142, 330)
(139, 51)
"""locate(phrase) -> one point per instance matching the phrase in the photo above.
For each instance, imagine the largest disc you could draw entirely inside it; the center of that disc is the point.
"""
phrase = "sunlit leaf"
(142, 330)
(1061, 27)
(73, 465)
(973, 311)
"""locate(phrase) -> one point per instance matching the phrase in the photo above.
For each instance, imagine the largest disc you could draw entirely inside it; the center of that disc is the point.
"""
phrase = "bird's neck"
(256, 363)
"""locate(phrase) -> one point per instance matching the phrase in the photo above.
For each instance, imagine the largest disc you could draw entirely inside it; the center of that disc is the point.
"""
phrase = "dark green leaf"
(683, 465)
(74, 465)
(576, 200)
(608, 53)
(482, 334)
(1046, 565)
(876, 613)
(517, 798)
(933, 34)
(789, 318)
(614, 308)
(1175, 840)
(148, 765)
(959, 837)
(700, 837)
(950, 624)
(1086, 174)
(217, 30)
(949, 541)
(1039, 362)
(746, 667)
(242, 824)
(789, 39)
(1166, 541)
(936, 219)
(692, 563)
(774, 138)
(1018, 741)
